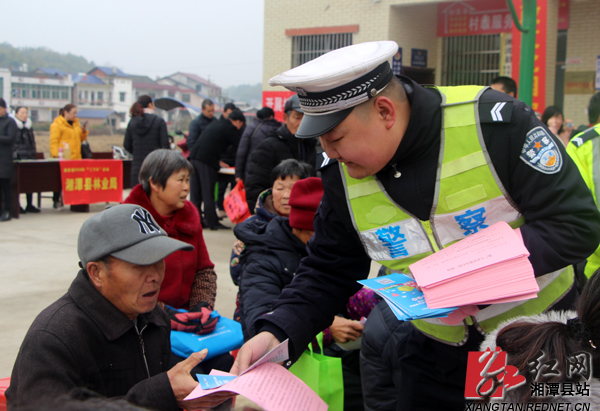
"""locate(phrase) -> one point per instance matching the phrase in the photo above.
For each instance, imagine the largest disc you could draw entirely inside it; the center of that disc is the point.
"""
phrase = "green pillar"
(527, 30)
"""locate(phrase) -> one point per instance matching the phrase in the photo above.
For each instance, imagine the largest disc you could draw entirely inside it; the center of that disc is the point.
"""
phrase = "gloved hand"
(192, 322)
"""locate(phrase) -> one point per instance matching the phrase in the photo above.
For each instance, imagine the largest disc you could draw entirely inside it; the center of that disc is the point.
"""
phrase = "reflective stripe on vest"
(468, 197)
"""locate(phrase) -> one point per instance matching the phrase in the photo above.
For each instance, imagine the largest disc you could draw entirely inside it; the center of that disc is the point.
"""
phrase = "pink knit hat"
(304, 200)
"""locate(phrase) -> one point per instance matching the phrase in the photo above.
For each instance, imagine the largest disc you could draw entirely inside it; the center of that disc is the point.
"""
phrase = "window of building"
(86, 94)
(110, 96)
(185, 97)
(64, 95)
(46, 92)
(100, 96)
(23, 93)
(55, 94)
(122, 97)
(1, 87)
(309, 47)
(35, 115)
(470, 59)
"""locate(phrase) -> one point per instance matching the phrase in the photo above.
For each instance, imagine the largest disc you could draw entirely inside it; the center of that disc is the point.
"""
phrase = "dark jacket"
(25, 143)
(251, 138)
(279, 145)
(264, 212)
(213, 141)
(8, 135)
(562, 221)
(379, 359)
(197, 126)
(83, 341)
(269, 262)
(144, 135)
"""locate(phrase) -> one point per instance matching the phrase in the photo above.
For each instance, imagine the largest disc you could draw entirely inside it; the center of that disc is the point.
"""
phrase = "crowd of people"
(366, 166)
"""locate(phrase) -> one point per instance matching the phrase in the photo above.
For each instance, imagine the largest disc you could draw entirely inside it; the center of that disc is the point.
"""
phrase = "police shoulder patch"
(540, 151)
(324, 161)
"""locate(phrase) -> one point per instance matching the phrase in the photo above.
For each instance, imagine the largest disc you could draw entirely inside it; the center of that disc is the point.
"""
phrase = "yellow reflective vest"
(468, 197)
(584, 149)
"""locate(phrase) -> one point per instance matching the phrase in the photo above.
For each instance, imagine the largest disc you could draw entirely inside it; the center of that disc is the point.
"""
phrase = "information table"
(36, 176)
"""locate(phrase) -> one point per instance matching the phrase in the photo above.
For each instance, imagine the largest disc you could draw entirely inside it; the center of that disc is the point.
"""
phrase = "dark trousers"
(202, 187)
(5, 195)
(29, 197)
(224, 181)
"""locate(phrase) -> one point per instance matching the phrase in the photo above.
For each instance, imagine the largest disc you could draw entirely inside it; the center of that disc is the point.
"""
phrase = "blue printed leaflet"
(406, 301)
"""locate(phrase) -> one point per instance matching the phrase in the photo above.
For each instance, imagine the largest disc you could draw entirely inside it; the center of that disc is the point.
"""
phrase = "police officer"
(432, 165)
(584, 149)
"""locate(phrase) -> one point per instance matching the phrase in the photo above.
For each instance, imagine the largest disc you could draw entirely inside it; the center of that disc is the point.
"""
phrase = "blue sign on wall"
(397, 62)
(418, 58)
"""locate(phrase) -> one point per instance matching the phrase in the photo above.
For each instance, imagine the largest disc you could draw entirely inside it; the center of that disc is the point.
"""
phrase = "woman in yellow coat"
(66, 130)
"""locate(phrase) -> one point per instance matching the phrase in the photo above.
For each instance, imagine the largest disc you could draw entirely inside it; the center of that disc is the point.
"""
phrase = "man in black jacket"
(198, 124)
(205, 157)
(279, 145)
(384, 139)
(8, 135)
(227, 161)
(107, 334)
(251, 138)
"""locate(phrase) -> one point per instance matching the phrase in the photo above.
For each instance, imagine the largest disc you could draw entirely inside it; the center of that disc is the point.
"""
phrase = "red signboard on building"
(91, 181)
(276, 100)
(538, 101)
(466, 18)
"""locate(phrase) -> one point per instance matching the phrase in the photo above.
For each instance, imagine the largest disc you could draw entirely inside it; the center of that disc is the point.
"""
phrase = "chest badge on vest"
(540, 152)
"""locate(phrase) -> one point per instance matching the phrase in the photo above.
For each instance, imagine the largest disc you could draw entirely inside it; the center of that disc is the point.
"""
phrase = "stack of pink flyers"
(488, 267)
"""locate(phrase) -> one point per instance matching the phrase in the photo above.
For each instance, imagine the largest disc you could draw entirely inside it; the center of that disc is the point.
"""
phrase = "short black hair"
(508, 84)
(594, 109)
(265, 113)
(237, 115)
(229, 106)
(290, 168)
(2, 103)
(159, 165)
(207, 103)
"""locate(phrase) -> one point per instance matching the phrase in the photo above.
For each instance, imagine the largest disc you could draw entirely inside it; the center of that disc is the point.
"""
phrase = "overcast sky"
(219, 39)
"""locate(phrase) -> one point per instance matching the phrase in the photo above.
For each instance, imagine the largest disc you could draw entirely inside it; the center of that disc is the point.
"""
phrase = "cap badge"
(145, 221)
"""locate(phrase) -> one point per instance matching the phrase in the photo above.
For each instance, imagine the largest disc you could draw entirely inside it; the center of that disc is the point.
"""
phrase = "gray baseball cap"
(127, 232)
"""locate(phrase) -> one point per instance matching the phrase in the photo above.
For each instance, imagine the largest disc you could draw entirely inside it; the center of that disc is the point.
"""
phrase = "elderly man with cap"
(280, 144)
(409, 170)
(106, 334)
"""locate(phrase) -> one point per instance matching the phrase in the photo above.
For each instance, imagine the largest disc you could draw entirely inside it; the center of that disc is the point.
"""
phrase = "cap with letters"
(331, 85)
(127, 232)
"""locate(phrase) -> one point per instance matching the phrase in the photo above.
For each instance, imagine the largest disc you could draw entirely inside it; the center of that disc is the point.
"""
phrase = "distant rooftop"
(53, 72)
(87, 79)
(110, 71)
(196, 78)
(141, 79)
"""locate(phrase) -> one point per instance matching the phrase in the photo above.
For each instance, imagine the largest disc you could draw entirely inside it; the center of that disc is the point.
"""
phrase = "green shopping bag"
(322, 374)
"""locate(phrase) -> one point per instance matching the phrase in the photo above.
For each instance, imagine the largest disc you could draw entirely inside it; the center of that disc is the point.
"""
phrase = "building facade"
(445, 43)
(42, 93)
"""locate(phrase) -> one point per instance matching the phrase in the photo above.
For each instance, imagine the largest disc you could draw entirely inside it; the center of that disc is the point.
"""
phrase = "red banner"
(276, 100)
(538, 102)
(563, 14)
(466, 18)
(91, 181)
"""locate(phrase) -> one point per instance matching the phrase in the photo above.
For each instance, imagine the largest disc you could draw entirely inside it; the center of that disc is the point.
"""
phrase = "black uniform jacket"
(83, 341)
(562, 223)
(213, 141)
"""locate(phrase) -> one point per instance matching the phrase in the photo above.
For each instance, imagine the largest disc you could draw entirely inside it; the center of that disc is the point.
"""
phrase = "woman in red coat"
(164, 185)
(190, 280)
